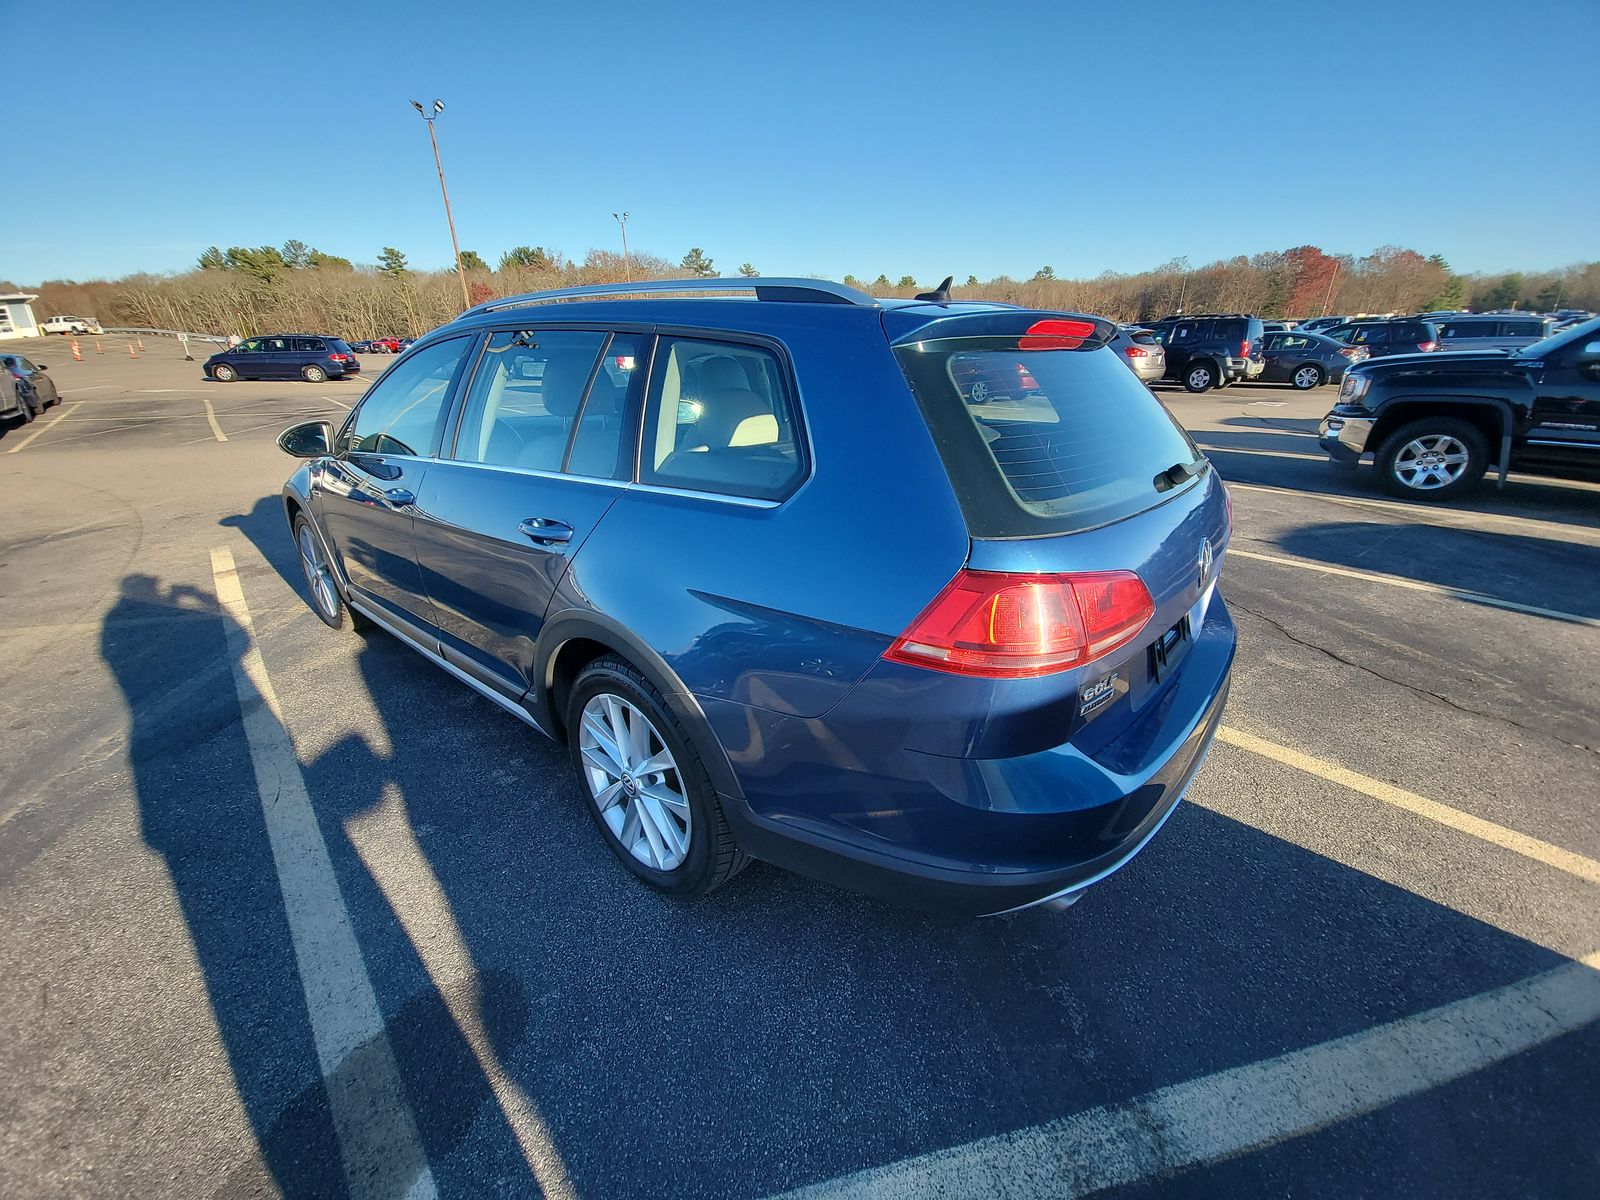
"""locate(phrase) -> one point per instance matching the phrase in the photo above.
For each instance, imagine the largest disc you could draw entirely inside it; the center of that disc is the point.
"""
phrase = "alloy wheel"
(634, 782)
(1307, 377)
(1431, 461)
(319, 575)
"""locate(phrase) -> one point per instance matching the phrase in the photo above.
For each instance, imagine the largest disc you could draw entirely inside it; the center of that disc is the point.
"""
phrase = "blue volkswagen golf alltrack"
(784, 589)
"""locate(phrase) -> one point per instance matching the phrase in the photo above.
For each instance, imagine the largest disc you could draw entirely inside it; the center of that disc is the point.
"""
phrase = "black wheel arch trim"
(572, 624)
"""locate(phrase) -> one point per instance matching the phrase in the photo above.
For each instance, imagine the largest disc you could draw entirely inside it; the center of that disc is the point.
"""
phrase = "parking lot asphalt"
(288, 911)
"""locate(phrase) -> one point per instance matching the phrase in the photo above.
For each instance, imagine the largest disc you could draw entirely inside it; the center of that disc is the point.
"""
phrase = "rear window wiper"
(1177, 474)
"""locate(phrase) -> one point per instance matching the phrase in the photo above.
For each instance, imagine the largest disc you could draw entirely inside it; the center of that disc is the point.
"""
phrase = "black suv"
(1210, 350)
(1435, 421)
(1388, 335)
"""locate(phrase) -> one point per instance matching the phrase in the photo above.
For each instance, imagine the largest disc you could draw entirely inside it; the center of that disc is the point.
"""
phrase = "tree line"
(258, 289)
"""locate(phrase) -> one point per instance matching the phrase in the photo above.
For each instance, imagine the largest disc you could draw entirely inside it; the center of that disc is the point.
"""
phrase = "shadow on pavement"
(199, 808)
(268, 530)
(1510, 566)
(778, 1032)
(1523, 495)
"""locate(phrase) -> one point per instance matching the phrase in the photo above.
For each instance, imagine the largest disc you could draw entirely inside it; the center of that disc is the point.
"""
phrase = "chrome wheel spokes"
(634, 781)
(1430, 462)
(319, 576)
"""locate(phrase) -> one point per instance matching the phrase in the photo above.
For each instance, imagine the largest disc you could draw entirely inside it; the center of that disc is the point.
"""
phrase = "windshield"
(1046, 441)
(1555, 341)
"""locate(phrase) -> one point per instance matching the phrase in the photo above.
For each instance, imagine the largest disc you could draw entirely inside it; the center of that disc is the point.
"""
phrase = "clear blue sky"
(908, 137)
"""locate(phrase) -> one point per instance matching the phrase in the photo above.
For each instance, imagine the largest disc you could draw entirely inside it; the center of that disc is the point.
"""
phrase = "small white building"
(16, 315)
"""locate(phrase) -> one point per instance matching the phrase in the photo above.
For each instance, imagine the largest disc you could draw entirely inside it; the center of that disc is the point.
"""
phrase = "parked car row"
(1435, 423)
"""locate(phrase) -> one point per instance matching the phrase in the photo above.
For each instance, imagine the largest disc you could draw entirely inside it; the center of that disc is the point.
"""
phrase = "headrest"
(722, 372)
(561, 387)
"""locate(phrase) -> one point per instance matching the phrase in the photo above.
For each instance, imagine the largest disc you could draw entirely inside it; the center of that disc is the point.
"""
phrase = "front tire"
(223, 373)
(1307, 377)
(648, 790)
(312, 373)
(1199, 377)
(1433, 458)
(321, 582)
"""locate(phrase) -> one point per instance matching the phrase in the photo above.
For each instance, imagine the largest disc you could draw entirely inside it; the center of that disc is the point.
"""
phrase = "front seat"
(731, 413)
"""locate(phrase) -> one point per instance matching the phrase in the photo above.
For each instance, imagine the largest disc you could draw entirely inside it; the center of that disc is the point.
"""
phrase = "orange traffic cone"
(131, 354)
(76, 353)
(141, 345)
(98, 348)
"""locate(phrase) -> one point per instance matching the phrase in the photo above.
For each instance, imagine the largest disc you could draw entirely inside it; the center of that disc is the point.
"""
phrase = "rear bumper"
(1344, 438)
(978, 836)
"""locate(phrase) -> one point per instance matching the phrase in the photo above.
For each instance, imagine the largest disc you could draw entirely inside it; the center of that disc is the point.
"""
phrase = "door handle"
(545, 531)
(399, 497)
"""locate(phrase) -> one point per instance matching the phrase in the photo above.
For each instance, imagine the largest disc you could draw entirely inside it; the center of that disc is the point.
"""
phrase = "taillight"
(1427, 345)
(1348, 352)
(1136, 352)
(1056, 333)
(337, 357)
(1002, 625)
(1244, 348)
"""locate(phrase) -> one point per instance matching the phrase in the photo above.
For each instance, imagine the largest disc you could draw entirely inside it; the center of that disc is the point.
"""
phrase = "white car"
(68, 325)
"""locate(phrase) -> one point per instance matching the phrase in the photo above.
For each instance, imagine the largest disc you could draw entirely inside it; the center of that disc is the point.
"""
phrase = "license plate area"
(1168, 650)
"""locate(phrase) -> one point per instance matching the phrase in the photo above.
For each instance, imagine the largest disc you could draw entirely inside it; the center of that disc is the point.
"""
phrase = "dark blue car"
(284, 356)
(786, 589)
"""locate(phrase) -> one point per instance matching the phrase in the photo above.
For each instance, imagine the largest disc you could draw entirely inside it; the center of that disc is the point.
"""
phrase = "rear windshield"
(1046, 441)
(341, 346)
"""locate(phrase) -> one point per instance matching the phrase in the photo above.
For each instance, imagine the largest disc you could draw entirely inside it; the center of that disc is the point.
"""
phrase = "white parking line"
(1584, 868)
(1414, 585)
(383, 1154)
(1217, 1116)
(340, 403)
(211, 419)
(1210, 450)
(59, 417)
(384, 839)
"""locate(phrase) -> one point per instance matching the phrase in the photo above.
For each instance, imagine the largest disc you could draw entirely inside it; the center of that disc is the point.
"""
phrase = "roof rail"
(793, 291)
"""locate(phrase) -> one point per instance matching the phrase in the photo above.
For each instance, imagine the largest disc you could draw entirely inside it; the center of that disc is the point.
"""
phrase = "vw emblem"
(1207, 562)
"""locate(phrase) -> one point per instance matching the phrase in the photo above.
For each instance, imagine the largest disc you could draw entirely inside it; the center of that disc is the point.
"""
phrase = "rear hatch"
(1086, 476)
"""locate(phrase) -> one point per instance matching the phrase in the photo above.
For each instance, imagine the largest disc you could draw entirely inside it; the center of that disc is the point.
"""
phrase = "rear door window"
(1060, 440)
(307, 345)
(720, 418)
(526, 395)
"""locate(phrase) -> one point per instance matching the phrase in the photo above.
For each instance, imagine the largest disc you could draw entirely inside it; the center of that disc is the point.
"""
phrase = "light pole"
(438, 107)
(627, 268)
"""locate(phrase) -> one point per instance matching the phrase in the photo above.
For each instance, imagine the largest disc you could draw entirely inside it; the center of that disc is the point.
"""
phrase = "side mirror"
(1590, 355)
(309, 439)
(41, 366)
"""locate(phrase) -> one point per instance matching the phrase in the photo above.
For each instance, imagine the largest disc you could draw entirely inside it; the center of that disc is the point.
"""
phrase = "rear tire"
(223, 373)
(1433, 458)
(696, 853)
(1307, 377)
(1199, 377)
(312, 373)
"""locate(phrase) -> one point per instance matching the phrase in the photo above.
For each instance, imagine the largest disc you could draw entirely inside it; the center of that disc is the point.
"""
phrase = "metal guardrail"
(180, 334)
